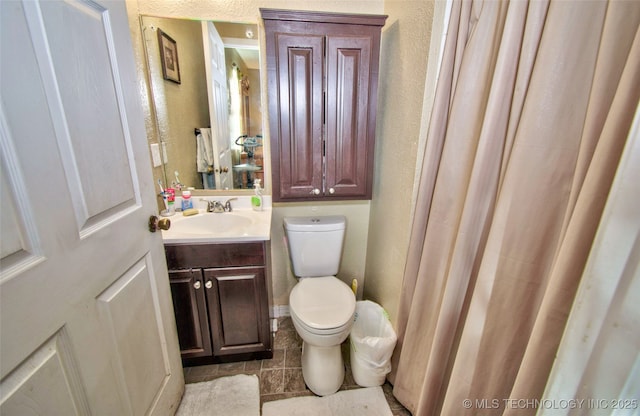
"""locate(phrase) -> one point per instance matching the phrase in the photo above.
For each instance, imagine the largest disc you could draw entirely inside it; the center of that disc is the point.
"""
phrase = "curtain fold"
(532, 109)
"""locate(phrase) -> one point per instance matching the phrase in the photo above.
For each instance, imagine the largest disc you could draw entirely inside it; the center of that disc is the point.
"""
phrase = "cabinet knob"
(208, 285)
(197, 285)
(332, 191)
(316, 191)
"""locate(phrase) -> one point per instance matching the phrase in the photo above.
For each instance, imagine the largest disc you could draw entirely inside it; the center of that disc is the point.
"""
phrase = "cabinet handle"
(332, 191)
(208, 285)
(316, 191)
(197, 285)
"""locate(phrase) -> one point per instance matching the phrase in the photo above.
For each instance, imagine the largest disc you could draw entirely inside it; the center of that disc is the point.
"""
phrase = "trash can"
(372, 342)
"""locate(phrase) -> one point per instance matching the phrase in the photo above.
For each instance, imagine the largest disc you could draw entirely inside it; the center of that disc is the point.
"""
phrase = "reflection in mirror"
(210, 123)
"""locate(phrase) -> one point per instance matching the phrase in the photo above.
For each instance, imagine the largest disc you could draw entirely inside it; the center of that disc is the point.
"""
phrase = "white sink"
(208, 223)
(238, 225)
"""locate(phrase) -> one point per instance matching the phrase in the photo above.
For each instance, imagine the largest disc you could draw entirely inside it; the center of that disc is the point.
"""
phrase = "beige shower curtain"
(533, 106)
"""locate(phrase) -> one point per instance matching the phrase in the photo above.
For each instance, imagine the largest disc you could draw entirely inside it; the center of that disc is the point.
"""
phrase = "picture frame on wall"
(169, 57)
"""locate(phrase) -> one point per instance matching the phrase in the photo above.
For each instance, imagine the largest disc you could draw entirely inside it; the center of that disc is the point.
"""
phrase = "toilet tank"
(315, 244)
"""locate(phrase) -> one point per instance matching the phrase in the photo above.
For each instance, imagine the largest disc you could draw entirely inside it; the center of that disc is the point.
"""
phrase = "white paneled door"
(86, 317)
(216, 70)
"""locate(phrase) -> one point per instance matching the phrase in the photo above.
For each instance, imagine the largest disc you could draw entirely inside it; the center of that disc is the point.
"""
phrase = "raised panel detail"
(322, 68)
(301, 98)
(237, 309)
(348, 79)
(20, 246)
(347, 109)
(127, 308)
(238, 296)
(46, 383)
(190, 309)
(88, 111)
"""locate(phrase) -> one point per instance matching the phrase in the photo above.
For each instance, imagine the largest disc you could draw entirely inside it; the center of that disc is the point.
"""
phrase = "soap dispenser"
(256, 200)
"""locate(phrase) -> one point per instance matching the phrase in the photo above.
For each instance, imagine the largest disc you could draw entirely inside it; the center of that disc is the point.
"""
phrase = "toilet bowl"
(322, 310)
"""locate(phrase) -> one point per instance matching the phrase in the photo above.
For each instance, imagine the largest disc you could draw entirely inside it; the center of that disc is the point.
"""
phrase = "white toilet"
(321, 305)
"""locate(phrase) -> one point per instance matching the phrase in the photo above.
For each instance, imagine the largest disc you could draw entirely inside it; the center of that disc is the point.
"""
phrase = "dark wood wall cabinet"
(322, 71)
(220, 299)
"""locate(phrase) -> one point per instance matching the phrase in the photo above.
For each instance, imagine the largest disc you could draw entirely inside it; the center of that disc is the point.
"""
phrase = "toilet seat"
(323, 305)
(321, 332)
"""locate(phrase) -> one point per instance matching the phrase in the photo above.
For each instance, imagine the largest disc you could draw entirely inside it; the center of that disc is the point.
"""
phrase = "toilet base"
(322, 368)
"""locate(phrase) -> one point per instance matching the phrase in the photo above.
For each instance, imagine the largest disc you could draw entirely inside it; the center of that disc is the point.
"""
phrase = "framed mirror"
(210, 123)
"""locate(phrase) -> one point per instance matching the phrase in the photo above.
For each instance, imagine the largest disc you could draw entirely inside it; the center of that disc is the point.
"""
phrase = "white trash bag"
(372, 342)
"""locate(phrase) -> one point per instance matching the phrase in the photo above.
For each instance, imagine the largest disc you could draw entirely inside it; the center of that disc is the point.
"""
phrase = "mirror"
(205, 85)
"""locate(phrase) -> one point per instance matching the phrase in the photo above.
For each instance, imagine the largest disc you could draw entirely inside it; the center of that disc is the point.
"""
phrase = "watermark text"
(551, 404)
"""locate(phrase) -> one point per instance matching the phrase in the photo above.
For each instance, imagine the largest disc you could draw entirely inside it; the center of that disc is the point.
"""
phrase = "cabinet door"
(298, 145)
(238, 310)
(322, 71)
(349, 140)
(189, 304)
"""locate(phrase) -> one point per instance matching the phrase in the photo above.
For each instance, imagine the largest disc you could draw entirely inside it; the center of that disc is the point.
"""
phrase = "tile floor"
(281, 376)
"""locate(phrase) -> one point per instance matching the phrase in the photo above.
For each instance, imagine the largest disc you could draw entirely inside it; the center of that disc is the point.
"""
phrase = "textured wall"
(248, 10)
(180, 107)
(405, 44)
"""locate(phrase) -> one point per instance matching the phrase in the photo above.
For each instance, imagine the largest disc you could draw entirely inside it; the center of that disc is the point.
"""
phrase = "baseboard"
(280, 311)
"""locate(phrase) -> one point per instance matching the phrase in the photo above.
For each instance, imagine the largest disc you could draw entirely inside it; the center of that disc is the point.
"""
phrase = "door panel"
(300, 71)
(238, 309)
(128, 311)
(75, 92)
(50, 365)
(190, 306)
(85, 307)
(21, 246)
(216, 71)
(348, 78)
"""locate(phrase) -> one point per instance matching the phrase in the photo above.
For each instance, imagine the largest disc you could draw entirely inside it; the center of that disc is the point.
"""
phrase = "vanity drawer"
(189, 256)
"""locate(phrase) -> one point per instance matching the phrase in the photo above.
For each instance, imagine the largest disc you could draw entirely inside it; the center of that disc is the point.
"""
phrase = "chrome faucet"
(227, 205)
(217, 206)
(213, 206)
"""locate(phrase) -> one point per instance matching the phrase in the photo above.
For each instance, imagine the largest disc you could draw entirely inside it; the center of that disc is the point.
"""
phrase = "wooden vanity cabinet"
(190, 309)
(322, 71)
(220, 298)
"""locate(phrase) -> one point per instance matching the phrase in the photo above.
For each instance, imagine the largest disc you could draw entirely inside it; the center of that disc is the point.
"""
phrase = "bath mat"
(235, 395)
(358, 402)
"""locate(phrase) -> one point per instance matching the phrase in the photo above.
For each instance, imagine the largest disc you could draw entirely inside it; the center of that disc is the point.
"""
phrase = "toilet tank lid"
(315, 223)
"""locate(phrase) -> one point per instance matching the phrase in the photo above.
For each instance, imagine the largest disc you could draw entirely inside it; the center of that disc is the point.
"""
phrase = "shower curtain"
(533, 106)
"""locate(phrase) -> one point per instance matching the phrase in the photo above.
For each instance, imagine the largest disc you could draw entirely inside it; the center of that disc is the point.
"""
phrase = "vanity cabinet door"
(190, 308)
(238, 310)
